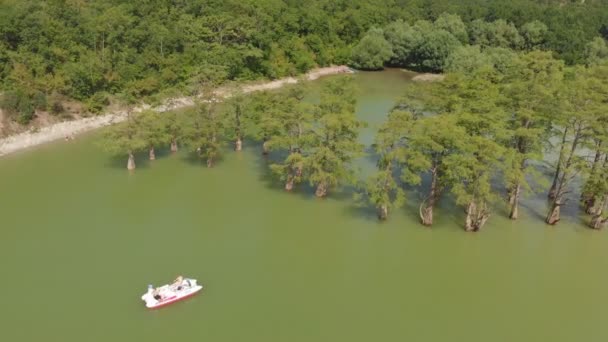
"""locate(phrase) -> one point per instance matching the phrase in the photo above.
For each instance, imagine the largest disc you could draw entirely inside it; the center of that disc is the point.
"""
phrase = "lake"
(81, 238)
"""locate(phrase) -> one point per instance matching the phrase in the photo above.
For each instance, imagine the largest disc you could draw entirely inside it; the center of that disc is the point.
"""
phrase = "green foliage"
(596, 51)
(434, 50)
(534, 34)
(17, 104)
(372, 51)
(336, 137)
(499, 33)
(530, 91)
(381, 189)
(204, 130)
(467, 59)
(295, 134)
(454, 25)
(403, 40)
(125, 137)
(98, 102)
(238, 117)
(430, 141)
(153, 129)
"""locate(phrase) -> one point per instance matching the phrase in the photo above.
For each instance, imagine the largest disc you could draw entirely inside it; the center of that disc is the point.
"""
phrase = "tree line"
(52, 51)
(436, 46)
(483, 136)
(317, 142)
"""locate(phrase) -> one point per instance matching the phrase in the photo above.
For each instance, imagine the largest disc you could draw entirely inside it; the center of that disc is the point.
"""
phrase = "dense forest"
(95, 52)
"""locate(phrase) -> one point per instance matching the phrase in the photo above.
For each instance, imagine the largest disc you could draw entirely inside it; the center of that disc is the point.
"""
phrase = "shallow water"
(81, 238)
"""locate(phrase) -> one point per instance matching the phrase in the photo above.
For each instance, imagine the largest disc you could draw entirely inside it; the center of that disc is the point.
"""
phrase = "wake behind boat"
(181, 288)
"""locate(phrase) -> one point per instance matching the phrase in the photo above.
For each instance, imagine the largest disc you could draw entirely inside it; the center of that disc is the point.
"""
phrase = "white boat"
(181, 288)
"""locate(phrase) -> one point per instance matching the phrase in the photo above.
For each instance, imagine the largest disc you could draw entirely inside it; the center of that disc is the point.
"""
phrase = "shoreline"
(64, 129)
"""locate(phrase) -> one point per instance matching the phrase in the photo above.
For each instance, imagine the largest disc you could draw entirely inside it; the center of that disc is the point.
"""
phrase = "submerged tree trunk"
(588, 197)
(289, 183)
(561, 183)
(588, 203)
(477, 216)
(382, 212)
(173, 145)
(291, 178)
(427, 206)
(554, 214)
(321, 190)
(514, 202)
(558, 167)
(131, 162)
(152, 155)
(265, 148)
(598, 221)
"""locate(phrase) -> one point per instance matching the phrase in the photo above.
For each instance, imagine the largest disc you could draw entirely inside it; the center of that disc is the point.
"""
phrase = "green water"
(81, 238)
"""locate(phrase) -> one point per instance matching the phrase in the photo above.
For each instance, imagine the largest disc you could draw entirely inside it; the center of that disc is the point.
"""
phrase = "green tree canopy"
(372, 51)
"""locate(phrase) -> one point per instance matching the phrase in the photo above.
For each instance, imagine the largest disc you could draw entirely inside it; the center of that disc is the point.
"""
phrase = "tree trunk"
(597, 221)
(210, 162)
(588, 203)
(238, 144)
(427, 206)
(152, 154)
(173, 146)
(289, 183)
(514, 202)
(426, 212)
(477, 216)
(559, 164)
(131, 162)
(588, 197)
(265, 148)
(383, 212)
(553, 216)
(468, 223)
(596, 207)
(321, 190)
(551, 194)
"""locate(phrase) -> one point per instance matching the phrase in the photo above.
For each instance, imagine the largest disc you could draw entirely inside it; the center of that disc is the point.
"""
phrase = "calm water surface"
(81, 238)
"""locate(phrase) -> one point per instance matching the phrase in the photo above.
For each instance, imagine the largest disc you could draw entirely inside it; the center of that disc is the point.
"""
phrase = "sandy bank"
(60, 130)
(428, 77)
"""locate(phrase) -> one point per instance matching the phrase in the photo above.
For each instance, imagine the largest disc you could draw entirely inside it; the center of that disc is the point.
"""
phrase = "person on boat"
(177, 283)
(156, 294)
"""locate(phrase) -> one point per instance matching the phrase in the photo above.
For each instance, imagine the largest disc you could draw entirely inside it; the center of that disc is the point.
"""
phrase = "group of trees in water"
(317, 141)
(53, 51)
(498, 123)
(483, 135)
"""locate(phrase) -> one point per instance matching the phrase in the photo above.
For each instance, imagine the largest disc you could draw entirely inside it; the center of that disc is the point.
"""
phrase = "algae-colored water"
(81, 238)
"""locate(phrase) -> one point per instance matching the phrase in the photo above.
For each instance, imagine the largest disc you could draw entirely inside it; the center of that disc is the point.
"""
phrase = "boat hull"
(171, 300)
(169, 294)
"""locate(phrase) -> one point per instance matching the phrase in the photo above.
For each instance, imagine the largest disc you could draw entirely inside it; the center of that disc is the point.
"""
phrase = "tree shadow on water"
(364, 212)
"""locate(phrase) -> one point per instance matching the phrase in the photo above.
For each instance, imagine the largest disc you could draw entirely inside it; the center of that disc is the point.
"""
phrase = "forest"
(99, 52)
